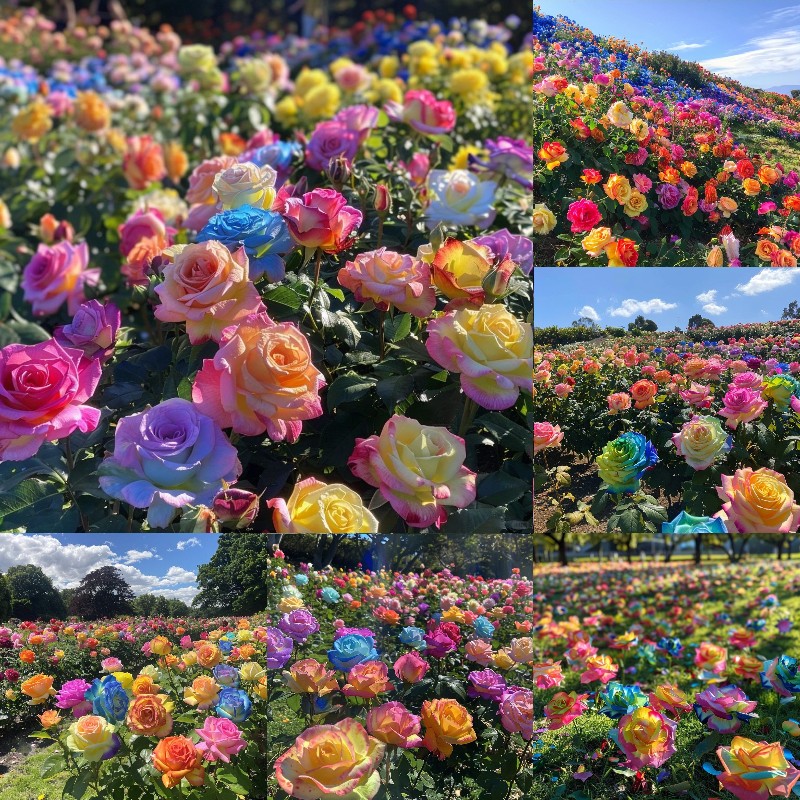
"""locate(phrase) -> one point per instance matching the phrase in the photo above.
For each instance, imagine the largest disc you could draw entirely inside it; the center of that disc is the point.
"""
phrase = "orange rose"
(49, 718)
(783, 258)
(176, 161)
(751, 187)
(148, 716)
(208, 655)
(39, 688)
(27, 656)
(643, 392)
(768, 175)
(143, 162)
(144, 684)
(447, 723)
(91, 112)
(765, 249)
(176, 758)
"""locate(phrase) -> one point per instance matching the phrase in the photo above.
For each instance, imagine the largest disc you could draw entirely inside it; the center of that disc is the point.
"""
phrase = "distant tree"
(5, 600)
(795, 93)
(102, 593)
(33, 595)
(584, 322)
(144, 605)
(67, 595)
(792, 311)
(642, 324)
(698, 321)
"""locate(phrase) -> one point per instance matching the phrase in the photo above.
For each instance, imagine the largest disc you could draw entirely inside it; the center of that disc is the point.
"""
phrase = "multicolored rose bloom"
(392, 723)
(329, 761)
(700, 441)
(755, 770)
(166, 458)
(646, 737)
(43, 396)
(490, 348)
(686, 523)
(758, 501)
(670, 699)
(94, 738)
(780, 389)
(368, 679)
(618, 700)
(742, 405)
(310, 677)
(352, 649)
(546, 435)
(724, 708)
(712, 660)
(108, 698)
(418, 468)
(447, 723)
(322, 220)
(563, 708)
(624, 460)
(176, 758)
(780, 675)
(57, 275)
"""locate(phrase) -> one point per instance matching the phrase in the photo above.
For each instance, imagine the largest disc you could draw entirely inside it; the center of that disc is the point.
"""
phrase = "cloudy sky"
(757, 43)
(160, 564)
(668, 296)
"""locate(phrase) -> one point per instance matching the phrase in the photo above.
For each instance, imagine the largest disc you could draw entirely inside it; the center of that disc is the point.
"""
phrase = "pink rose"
(209, 289)
(697, 395)
(516, 711)
(143, 162)
(57, 275)
(423, 112)
(322, 219)
(201, 180)
(329, 140)
(219, 739)
(618, 401)
(418, 167)
(142, 225)
(546, 435)
(584, 215)
(742, 405)
(43, 396)
(360, 119)
(410, 668)
(394, 724)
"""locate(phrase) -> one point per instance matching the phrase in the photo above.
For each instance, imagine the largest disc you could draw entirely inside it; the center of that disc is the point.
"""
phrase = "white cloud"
(777, 52)
(588, 311)
(787, 12)
(766, 280)
(708, 299)
(714, 308)
(184, 543)
(688, 45)
(630, 307)
(67, 564)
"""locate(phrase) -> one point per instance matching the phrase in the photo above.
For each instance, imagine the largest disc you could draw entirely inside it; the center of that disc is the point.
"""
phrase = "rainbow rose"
(624, 460)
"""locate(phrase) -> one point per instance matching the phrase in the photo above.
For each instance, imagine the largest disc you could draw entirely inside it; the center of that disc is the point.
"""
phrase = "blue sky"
(757, 43)
(161, 564)
(614, 296)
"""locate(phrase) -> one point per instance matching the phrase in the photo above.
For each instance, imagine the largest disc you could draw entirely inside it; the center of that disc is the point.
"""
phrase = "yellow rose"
(544, 220)
(758, 501)
(453, 614)
(196, 59)
(502, 659)
(466, 82)
(203, 692)
(618, 188)
(521, 650)
(636, 204)
(125, 678)
(39, 688)
(290, 603)
(447, 723)
(93, 737)
(189, 658)
(309, 79)
(389, 66)
(317, 507)
(245, 184)
(459, 269)
(286, 110)
(33, 121)
(595, 242)
(639, 128)
(255, 75)
(91, 112)
(620, 115)
(250, 672)
(322, 102)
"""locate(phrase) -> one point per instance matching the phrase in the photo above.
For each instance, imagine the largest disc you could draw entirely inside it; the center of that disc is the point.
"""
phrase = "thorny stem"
(70, 468)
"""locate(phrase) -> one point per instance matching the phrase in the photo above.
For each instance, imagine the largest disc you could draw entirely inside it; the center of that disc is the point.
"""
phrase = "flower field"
(666, 681)
(353, 684)
(283, 285)
(686, 436)
(643, 158)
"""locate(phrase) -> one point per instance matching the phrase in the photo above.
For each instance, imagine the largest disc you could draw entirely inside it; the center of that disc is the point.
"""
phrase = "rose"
(486, 684)
(686, 523)
(208, 288)
(411, 667)
(57, 275)
(317, 507)
(757, 501)
(390, 279)
(698, 395)
(233, 704)
(756, 769)
(619, 401)
(546, 435)
(94, 738)
(168, 457)
(226, 675)
(619, 700)
(93, 330)
(544, 220)
(700, 441)
(219, 739)
(329, 140)
(620, 115)
(261, 379)
(299, 624)
(201, 181)
(368, 679)
(596, 241)
(176, 758)
(459, 269)
(33, 121)
(624, 460)
(203, 692)
(599, 668)
(562, 708)
(310, 677)
(108, 698)
(143, 162)
(622, 253)
(394, 724)
(245, 184)
(424, 113)
(584, 215)
(278, 155)
(148, 716)
(72, 695)
(447, 723)
(144, 225)
(724, 708)
(780, 389)
(279, 648)
(554, 154)
(512, 158)
(418, 468)
(322, 219)
(618, 188)
(262, 233)
(516, 711)
(459, 198)
(646, 737)
(490, 348)
(352, 649)
(503, 243)
(328, 761)
(43, 396)
(711, 658)
(235, 507)
(780, 675)
(636, 204)
(39, 688)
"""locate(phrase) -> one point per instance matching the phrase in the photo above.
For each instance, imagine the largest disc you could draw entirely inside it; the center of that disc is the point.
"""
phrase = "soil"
(16, 746)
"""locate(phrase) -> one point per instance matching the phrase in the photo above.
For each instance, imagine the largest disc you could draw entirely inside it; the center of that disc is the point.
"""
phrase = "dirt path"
(16, 746)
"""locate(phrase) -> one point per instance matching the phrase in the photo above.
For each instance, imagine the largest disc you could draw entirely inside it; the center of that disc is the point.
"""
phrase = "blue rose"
(484, 628)
(671, 645)
(234, 704)
(414, 637)
(262, 233)
(330, 595)
(618, 700)
(301, 580)
(352, 649)
(226, 675)
(686, 523)
(109, 700)
(279, 156)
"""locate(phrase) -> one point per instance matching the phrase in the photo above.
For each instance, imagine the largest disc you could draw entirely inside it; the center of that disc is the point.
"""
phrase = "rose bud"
(63, 232)
(497, 280)
(383, 200)
(236, 508)
(47, 228)
(339, 171)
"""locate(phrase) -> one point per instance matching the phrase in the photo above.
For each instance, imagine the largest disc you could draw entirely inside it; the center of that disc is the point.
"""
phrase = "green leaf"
(348, 388)
(77, 785)
(185, 389)
(398, 328)
(28, 499)
(393, 390)
(283, 295)
(476, 519)
(505, 432)
(28, 332)
(337, 293)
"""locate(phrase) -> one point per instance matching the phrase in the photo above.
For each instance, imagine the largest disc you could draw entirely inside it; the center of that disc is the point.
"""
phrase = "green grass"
(785, 150)
(24, 781)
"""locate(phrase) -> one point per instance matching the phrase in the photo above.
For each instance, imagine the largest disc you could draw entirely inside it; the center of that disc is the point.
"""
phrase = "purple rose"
(299, 624)
(360, 119)
(73, 695)
(279, 649)
(331, 139)
(668, 195)
(438, 644)
(487, 684)
(503, 243)
(93, 329)
(166, 458)
(512, 158)
(236, 507)
(339, 632)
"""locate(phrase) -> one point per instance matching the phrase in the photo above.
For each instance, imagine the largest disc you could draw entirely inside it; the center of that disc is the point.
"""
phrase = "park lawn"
(24, 780)
(786, 151)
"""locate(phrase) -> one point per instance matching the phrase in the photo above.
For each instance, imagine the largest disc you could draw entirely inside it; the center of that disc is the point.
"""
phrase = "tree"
(792, 311)
(698, 321)
(102, 593)
(5, 599)
(235, 580)
(33, 595)
(584, 322)
(642, 324)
